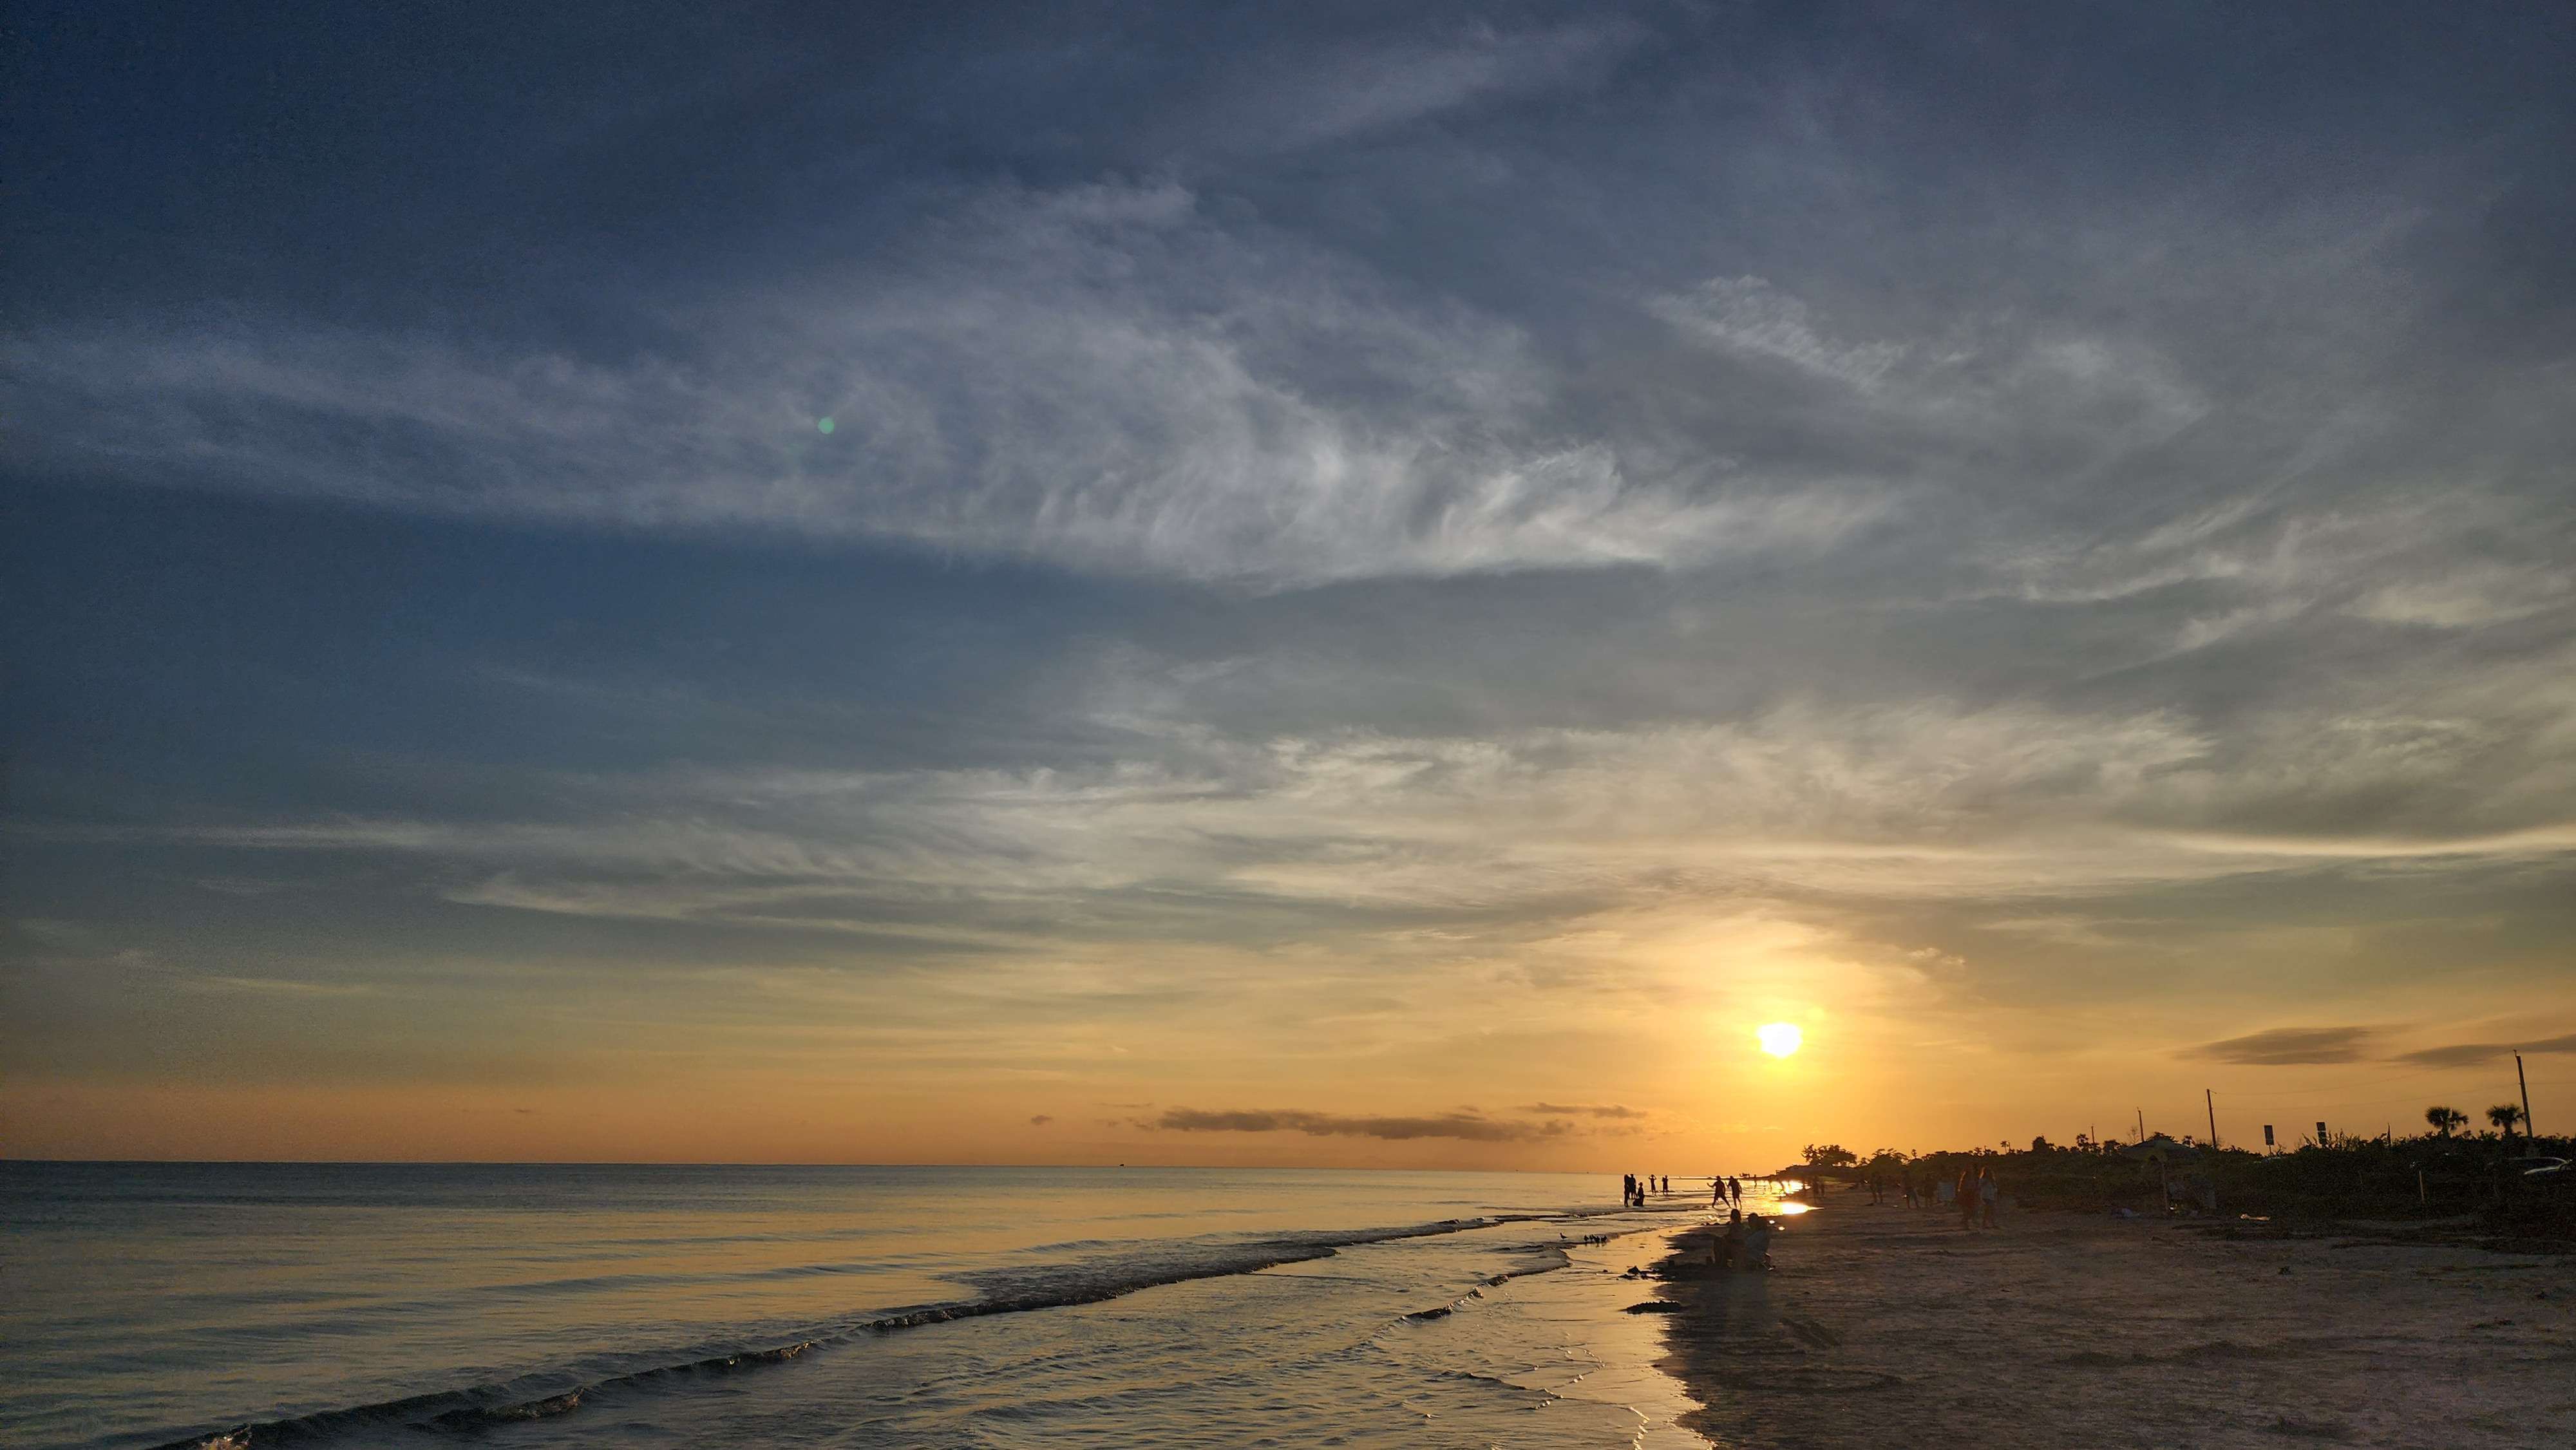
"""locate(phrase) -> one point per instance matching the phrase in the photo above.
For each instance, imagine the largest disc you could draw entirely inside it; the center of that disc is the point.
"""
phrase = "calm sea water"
(366, 1305)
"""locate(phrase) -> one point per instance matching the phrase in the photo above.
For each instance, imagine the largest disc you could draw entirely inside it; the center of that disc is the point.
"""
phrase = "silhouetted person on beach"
(1967, 1200)
(1717, 1192)
(1730, 1244)
(1989, 1192)
(1756, 1253)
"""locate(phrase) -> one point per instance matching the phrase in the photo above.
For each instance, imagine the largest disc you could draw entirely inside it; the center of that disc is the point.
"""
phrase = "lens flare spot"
(1779, 1038)
(824, 425)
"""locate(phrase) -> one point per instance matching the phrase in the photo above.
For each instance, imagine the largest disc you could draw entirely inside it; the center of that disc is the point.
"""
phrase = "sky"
(1243, 584)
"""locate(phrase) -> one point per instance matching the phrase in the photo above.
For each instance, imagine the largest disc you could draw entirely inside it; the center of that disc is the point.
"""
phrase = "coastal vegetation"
(2441, 1175)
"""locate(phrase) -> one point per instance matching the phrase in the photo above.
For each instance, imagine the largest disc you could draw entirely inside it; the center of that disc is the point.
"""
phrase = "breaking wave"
(1012, 1291)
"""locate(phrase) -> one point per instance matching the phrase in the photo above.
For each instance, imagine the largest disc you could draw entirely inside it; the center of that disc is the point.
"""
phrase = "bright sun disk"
(1779, 1038)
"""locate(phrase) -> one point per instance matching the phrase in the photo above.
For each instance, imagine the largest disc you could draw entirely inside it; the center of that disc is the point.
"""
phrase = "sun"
(1780, 1038)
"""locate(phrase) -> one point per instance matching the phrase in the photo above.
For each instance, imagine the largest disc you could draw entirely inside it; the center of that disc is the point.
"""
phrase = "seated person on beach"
(1730, 1244)
(1756, 1252)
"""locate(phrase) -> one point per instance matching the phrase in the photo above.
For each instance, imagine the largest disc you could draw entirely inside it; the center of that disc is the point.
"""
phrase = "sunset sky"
(1282, 584)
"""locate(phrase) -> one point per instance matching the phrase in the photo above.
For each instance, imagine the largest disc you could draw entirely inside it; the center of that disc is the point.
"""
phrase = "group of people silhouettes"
(1746, 1244)
(1975, 1193)
(1633, 1189)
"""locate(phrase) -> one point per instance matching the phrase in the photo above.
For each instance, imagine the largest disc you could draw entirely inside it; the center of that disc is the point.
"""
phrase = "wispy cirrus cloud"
(1294, 97)
(1099, 376)
(1749, 316)
(1182, 822)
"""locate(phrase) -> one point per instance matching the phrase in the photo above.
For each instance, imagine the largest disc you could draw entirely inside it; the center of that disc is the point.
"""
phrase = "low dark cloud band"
(1466, 1127)
(2288, 1046)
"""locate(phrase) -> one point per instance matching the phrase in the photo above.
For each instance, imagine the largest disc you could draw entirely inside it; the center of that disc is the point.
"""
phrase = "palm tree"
(2446, 1121)
(2504, 1116)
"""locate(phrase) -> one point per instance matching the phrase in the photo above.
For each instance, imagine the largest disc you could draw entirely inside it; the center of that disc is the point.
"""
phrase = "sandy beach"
(1881, 1324)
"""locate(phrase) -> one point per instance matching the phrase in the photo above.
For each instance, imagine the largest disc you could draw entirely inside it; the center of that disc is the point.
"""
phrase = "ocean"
(338, 1305)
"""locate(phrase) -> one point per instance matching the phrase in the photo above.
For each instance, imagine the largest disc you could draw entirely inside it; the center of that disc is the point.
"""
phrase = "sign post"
(2525, 1084)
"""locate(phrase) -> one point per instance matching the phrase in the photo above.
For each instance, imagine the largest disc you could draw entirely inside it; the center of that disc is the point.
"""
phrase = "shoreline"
(1881, 1322)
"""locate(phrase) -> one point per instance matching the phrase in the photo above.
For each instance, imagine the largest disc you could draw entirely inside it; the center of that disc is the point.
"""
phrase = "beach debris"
(1654, 1306)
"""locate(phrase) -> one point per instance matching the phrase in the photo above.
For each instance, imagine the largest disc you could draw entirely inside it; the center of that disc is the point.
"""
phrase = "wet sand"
(1884, 1325)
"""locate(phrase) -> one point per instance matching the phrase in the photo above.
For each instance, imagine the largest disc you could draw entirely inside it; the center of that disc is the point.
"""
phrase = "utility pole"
(2210, 1102)
(2142, 1125)
(2526, 1095)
